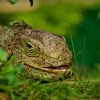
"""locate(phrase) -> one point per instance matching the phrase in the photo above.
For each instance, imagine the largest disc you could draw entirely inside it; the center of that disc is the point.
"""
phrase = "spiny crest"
(19, 26)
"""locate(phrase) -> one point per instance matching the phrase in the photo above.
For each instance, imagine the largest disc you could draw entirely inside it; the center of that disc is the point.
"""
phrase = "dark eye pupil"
(28, 46)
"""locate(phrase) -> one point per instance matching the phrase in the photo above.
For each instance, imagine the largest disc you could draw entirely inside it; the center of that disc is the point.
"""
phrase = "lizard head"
(45, 51)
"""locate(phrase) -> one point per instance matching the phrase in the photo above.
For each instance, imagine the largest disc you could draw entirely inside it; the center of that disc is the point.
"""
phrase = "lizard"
(43, 54)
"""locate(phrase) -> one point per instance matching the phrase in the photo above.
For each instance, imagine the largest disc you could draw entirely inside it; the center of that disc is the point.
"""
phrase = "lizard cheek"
(55, 55)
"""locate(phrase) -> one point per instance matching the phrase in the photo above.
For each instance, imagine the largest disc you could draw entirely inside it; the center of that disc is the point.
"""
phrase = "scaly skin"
(43, 54)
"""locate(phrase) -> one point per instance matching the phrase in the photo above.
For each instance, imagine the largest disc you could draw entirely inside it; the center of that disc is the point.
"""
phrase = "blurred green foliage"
(65, 19)
(53, 18)
(3, 55)
(7, 70)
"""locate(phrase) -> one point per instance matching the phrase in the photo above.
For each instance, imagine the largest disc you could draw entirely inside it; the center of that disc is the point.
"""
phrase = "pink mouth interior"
(64, 67)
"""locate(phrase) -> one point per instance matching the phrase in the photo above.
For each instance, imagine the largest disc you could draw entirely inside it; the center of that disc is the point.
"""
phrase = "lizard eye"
(28, 46)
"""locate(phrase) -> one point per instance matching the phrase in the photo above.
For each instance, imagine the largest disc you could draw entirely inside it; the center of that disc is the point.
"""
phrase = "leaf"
(12, 58)
(11, 77)
(1, 77)
(18, 68)
(35, 83)
(3, 55)
(10, 69)
(12, 1)
(12, 95)
(7, 69)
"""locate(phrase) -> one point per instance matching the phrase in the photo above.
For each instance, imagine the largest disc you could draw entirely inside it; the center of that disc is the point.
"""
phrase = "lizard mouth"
(59, 68)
